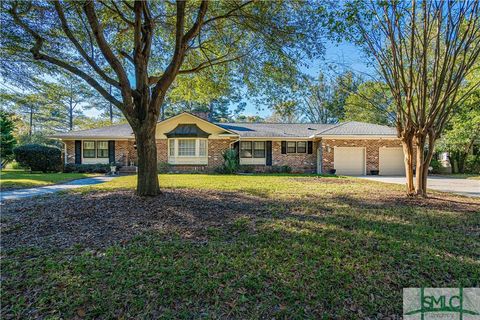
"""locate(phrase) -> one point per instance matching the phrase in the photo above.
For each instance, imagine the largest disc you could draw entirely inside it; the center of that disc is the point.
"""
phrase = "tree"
(371, 103)
(285, 112)
(140, 47)
(322, 100)
(463, 130)
(7, 141)
(424, 51)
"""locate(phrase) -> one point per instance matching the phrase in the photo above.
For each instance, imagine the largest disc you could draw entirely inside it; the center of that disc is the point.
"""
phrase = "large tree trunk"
(147, 178)
(407, 144)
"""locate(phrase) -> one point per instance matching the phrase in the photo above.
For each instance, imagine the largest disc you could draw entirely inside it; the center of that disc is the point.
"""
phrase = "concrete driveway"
(465, 187)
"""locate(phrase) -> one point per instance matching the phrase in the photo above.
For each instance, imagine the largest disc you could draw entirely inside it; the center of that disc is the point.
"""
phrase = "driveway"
(33, 192)
(465, 187)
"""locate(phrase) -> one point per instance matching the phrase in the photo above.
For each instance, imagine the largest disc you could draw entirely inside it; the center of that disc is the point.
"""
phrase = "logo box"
(441, 303)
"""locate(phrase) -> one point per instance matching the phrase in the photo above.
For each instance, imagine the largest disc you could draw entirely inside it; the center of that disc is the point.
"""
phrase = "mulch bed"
(98, 220)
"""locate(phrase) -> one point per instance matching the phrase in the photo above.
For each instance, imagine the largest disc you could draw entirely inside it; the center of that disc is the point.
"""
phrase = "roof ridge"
(334, 127)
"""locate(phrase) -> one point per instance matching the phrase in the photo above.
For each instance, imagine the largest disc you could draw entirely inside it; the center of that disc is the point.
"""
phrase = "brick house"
(190, 142)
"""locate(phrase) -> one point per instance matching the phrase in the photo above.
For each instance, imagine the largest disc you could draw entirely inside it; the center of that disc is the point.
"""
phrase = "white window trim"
(185, 159)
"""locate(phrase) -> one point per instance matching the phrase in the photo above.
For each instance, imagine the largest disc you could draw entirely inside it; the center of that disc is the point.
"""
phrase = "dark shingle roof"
(354, 128)
(119, 131)
(279, 130)
(252, 130)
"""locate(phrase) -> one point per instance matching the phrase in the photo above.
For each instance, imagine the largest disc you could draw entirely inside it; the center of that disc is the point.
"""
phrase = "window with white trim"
(187, 148)
(89, 149)
(252, 149)
(296, 147)
(102, 149)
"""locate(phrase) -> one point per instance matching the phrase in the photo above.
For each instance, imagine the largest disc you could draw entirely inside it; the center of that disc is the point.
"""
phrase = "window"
(89, 149)
(252, 149)
(301, 147)
(202, 149)
(102, 149)
(291, 147)
(186, 148)
(245, 149)
(180, 151)
(259, 149)
(171, 145)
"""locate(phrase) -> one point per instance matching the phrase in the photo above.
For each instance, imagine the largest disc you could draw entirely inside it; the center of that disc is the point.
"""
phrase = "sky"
(340, 57)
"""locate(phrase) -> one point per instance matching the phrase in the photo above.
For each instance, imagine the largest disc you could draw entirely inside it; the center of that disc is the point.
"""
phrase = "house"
(190, 142)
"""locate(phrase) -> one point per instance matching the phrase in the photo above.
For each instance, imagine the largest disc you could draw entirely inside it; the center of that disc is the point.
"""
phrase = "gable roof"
(119, 131)
(276, 130)
(354, 128)
(251, 130)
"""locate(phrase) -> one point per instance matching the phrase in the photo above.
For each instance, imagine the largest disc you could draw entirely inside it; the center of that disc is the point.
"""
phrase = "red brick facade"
(371, 146)
(125, 154)
(216, 147)
(299, 162)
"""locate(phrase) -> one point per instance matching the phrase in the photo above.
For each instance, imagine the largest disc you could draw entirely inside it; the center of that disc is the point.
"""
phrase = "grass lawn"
(14, 179)
(249, 247)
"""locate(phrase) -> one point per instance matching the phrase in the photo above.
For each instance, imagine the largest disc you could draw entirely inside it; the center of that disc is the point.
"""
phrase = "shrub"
(163, 167)
(38, 157)
(472, 164)
(230, 161)
(436, 165)
(279, 169)
(87, 168)
(247, 168)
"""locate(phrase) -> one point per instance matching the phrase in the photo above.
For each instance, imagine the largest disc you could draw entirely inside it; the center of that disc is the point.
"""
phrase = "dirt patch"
(99, 220)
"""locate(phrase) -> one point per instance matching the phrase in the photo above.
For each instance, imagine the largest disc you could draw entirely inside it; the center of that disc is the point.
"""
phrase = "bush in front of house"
(230, 161)
(279, 169)
(163, 167)
(86, 168)
(38, 157)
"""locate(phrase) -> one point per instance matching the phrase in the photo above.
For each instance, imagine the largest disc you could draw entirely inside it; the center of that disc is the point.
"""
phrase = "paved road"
(466, 187)
(32, 192)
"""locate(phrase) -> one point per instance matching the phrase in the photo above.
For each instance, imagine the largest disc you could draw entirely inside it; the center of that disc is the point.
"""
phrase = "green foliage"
(472, 164)
(86, 168)
(39, 138)
(436, 165)
(230, 161)
(279, 169)
(7, 141)
(163, 167)
(372, 103)
(38, 157)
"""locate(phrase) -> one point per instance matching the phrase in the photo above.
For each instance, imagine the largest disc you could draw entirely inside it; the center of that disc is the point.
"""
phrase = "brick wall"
(299, 162)
(125, 153)
(70, 150)
(371, 146)
(216, 147)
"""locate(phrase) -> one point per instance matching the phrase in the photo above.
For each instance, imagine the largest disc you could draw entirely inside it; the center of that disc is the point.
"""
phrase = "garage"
(391, 162)
(349, 160)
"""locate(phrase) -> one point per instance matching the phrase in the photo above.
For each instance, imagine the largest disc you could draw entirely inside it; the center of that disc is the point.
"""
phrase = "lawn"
(15, 179)
(245, 247)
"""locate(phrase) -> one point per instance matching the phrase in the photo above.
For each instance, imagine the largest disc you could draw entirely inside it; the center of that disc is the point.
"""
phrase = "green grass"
(328, 248)
(13, 179)
(465, 176)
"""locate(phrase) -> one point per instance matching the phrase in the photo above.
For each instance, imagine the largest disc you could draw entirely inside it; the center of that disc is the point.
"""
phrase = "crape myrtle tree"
(423, 50)
(140, 48)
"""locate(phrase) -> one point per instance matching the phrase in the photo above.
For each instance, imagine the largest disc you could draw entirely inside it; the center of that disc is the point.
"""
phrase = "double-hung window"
(186, 147)
(296, 147)
(89, 149)
(187, 151)
(252, 149)
(95, 149)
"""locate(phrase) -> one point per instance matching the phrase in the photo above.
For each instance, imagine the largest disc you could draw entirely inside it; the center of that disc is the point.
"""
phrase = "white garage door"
(391, 162)
(349, 160)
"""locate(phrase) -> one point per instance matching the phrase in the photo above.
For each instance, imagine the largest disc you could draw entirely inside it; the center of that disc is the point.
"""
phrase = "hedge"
(87, 168)
(38, 157)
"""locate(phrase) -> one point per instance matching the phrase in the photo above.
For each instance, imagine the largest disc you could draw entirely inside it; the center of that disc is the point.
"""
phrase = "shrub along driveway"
(234, 247)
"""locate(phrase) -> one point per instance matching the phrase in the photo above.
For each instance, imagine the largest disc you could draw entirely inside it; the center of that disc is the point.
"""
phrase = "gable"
(169, 125)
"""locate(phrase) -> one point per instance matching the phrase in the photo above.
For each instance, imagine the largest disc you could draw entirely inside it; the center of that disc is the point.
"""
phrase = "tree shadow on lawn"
(231, 255)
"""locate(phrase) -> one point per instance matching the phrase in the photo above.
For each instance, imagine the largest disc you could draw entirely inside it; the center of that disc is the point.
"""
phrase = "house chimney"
(202, 114)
